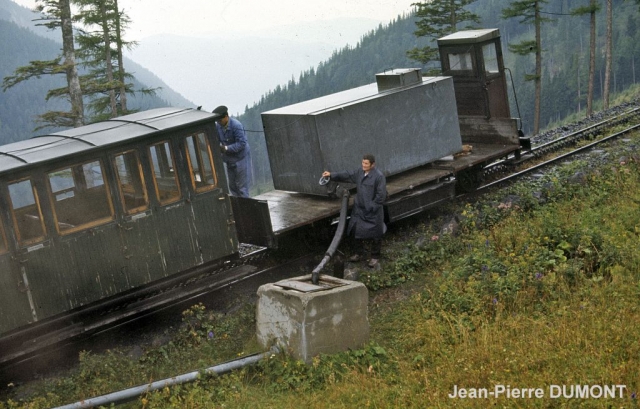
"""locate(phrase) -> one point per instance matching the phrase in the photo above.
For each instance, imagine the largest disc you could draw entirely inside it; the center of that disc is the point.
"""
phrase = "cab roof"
(470, 36)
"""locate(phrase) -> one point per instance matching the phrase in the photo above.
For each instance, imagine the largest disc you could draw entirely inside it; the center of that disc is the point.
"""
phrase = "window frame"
(93, 223)
(4, 245)
(200, 160)
(175, 172)
(18, 233)
(138, 209)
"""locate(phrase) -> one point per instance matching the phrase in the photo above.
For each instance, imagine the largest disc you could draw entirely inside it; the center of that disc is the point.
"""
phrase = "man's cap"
(221, 110)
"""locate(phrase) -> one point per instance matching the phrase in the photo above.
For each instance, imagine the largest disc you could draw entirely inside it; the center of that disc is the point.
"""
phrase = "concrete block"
(306, 320)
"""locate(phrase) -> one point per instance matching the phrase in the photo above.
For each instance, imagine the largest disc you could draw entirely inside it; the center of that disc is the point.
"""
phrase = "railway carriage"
(96, 211)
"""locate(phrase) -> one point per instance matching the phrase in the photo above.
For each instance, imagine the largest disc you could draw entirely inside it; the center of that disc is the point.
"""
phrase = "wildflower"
(486, 243)
(210, 335)
(434, 237)
(494, 301)
(485, 268)
(538, 276)
(633, 395)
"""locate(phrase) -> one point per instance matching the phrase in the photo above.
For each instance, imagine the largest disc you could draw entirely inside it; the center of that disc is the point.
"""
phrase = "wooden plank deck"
(290, 210)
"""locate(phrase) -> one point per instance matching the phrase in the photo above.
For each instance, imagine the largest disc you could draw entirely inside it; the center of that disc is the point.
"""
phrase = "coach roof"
(45, 148)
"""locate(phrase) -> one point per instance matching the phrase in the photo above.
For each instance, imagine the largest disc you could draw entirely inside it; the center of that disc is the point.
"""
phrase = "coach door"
(16, 310)
(141, 262)
(211, 208)
(176, 237)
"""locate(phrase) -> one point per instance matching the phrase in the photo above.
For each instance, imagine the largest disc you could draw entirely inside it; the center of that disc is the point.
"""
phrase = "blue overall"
(237, 157)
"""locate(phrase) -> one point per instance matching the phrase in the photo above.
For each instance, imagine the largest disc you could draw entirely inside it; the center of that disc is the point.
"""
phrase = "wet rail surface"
(503, 171)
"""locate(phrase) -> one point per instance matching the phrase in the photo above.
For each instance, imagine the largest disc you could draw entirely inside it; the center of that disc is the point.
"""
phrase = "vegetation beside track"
(539, 286)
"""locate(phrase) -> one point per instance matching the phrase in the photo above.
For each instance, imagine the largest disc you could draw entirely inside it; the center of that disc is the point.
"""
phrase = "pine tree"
(529, 10)
(56, 14)
(438, 18)
(100, 46)
(591, 9)
(608, 54)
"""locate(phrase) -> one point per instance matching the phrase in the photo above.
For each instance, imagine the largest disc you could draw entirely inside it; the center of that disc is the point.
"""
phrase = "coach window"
(203, 176)
(131, 182)
(165, 178)
(26, 213)
(80, 197)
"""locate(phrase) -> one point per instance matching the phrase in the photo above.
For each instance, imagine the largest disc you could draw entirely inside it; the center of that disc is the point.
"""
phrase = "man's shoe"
(373, 262)
(355, 258)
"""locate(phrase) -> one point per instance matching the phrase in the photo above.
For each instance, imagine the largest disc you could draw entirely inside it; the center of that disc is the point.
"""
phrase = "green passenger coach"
(89, 213)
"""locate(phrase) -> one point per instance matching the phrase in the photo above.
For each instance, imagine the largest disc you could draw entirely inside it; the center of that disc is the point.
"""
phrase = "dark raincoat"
(367, 215)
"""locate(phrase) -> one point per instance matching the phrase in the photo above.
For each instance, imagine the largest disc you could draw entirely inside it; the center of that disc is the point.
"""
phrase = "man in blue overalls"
(235, 152)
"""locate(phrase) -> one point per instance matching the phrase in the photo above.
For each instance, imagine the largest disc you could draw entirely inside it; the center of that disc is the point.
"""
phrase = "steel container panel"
(404, 128)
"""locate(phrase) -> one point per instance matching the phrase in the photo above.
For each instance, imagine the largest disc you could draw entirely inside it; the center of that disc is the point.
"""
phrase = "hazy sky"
(319, 24)
(193, 17)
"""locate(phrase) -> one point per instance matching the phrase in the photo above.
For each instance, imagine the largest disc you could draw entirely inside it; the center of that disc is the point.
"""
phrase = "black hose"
(515, 96)
(315, 275)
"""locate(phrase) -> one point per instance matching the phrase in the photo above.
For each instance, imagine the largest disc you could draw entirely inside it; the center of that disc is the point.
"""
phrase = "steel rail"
(558, 158)
(565, 140)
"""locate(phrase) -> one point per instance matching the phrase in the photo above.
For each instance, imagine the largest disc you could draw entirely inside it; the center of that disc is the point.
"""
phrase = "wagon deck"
(409, 192)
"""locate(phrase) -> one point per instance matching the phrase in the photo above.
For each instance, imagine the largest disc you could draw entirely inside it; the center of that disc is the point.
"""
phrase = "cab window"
(79, 197)
(490, 59)
(163, 167)
(130, 182)
(461, 62)
(26, 212)
(201, 169)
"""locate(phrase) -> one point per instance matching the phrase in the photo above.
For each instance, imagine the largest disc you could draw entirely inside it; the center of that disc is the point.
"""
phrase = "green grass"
(526, 294)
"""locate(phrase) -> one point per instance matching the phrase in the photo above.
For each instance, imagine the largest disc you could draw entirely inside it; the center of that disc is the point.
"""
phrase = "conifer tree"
(608, 54)
(438, 18)
(56, 14)
(591, 9)
(529, 11)
(100, 46)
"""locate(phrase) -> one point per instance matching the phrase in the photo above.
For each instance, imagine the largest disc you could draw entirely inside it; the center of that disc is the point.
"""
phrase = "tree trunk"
(592, 59)
(538, 80)
(73, 82)
(608, 54)
(107, 57)
(123, 93)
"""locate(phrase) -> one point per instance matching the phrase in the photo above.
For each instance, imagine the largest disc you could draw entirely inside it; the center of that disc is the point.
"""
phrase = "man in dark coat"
(367, 215)
(235, 152)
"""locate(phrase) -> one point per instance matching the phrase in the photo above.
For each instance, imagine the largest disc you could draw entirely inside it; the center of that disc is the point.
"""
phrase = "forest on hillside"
(565, 59)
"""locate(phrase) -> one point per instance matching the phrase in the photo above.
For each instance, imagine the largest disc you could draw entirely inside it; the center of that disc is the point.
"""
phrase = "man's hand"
(223, 148)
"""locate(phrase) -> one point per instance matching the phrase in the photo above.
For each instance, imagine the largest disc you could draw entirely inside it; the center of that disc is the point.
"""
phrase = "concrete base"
(306, 320)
